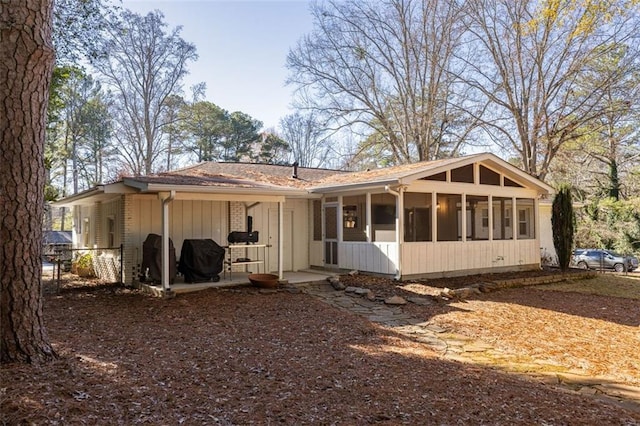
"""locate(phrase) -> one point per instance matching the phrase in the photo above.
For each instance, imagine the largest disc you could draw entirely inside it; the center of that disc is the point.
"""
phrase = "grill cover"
(152, 259)
(201, 260)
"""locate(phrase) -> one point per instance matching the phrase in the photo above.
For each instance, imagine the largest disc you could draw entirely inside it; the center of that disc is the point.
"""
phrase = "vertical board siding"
(442, 257)
(188, 220)
(316, 257)
(378, 257)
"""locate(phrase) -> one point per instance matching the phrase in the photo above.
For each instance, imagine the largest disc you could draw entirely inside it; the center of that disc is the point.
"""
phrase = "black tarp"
(152, 259)
(201, 260)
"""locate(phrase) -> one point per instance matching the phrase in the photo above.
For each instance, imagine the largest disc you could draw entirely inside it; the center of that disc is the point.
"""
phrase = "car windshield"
(613, 253)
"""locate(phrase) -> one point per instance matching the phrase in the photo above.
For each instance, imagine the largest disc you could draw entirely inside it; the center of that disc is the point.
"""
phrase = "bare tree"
(308, 139)
(144, 65)
(529, 58)
(26, 63)
(386, 65)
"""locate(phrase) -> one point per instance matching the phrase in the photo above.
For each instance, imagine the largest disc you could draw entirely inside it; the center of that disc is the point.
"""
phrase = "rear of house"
(446, 217)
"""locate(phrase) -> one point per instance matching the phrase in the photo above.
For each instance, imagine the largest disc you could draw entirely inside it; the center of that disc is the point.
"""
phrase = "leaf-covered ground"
(245, 357)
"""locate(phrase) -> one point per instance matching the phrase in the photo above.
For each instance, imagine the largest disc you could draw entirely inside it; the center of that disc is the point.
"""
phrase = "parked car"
(603, 259)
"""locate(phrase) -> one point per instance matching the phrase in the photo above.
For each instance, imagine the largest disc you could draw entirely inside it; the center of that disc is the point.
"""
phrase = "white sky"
(242, 47)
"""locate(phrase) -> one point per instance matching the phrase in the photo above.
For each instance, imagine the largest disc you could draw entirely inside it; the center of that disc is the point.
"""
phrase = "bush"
(610, 224)
(562, 223)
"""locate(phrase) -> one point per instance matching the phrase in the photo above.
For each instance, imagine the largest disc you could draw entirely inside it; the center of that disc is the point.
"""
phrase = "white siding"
(296, 233)
(546, 233)
(446, 257)
(194, 219)
(188, 220)
(377, 257)
(316, 257)
(110, 209)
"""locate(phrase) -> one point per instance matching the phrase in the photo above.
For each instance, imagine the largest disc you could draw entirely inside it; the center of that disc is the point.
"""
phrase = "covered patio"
(238, 279)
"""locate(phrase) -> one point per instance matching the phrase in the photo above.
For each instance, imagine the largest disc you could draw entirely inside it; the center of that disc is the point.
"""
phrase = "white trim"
(223, 197)
(166, 285)
(463, 217)
(281, 240)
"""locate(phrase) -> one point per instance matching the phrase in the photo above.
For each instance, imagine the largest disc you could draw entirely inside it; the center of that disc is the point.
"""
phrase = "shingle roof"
(247, 175)
(268, 176)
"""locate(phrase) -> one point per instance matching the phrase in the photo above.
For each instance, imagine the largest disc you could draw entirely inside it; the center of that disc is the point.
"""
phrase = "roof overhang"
(104, 193)
(487, 159)
(361, 186)
(195, 190)
(200, 196)
(100, 193)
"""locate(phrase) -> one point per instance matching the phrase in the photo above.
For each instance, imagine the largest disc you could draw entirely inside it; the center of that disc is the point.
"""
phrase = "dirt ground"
(242, 356)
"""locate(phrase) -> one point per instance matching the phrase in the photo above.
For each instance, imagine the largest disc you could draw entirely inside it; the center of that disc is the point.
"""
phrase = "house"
(454, 216)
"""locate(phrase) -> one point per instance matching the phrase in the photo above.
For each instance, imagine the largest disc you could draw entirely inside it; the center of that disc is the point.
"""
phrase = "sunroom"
(442, 218)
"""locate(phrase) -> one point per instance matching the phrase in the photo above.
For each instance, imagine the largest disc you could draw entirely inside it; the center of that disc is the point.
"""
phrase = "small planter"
(85, 272)
(264, 280)
(84, 266)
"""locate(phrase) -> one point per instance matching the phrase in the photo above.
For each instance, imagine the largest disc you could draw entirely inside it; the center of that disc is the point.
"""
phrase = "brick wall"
(237, 216)
(126, 235)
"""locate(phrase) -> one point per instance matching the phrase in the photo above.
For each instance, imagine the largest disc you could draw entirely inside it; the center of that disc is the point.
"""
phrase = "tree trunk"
(614, 180)
(26, 63)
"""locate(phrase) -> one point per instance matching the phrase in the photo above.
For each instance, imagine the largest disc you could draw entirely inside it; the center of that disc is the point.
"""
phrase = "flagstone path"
(455, 347)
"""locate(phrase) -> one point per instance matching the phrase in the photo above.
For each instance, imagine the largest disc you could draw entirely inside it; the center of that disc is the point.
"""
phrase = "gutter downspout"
(166, 287)
(399, 225)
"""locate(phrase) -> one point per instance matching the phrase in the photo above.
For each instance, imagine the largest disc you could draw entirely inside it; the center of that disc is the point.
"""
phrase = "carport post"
(280, 239)
(165, 241)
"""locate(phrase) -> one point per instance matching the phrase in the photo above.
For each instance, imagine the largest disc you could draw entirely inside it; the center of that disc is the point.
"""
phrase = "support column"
(399, 226)
(536, 218)
(280, 240)
(166, 285)
(434, 217)
(490, 216)
(463, 218)
(368, 217)
(515, 224)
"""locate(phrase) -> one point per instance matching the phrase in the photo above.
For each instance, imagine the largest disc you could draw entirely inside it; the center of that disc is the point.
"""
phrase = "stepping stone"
(395, 300)
(435, 328)
(420, 301)
(362, 291)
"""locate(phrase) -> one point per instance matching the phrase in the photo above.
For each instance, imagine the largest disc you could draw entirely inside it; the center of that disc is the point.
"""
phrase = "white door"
(287, 264)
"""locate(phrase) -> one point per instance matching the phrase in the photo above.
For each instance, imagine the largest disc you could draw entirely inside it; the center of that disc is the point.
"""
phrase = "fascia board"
(354, 186)
(86, 198)
(153, 188)
(247, 197)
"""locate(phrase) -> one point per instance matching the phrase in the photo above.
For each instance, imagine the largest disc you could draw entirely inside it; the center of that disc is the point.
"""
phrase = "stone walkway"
(455, 347)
